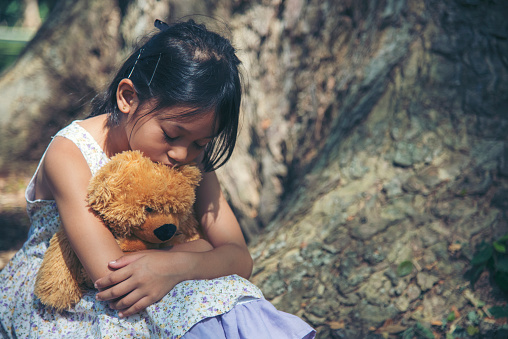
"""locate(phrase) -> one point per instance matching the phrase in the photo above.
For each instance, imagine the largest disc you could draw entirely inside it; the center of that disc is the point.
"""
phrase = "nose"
(165, 232)
(178, 154)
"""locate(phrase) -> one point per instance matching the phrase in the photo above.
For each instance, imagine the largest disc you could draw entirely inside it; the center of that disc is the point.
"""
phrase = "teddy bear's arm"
(61, 277)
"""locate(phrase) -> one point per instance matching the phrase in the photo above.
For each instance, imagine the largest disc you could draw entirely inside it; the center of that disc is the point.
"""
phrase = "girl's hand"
(143, 278)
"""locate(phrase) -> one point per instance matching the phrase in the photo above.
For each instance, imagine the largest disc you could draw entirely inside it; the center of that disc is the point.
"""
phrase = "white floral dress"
(23, 316)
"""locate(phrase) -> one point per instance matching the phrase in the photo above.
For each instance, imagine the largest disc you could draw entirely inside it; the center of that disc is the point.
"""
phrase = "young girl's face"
(171, 141)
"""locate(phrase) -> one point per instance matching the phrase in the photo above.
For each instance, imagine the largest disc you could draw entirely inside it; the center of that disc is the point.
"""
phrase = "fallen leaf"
(489, 320)
(395, 328)
(454, 247)
(336, 325)
(390, 328)
(470, 296)
(431, 266)
(455, 311)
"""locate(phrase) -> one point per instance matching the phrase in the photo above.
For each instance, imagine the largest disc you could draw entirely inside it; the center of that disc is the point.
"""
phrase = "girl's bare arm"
(65, 174)
(230, 254)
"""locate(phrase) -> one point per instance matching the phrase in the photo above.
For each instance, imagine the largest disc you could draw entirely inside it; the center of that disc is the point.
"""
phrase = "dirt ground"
(14, 225)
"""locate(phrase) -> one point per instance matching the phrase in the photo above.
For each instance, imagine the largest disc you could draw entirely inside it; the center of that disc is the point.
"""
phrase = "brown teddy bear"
(146, 205)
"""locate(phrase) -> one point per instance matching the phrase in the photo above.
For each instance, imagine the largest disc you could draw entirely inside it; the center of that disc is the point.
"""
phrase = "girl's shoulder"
(67, 144)
(62, 161)
(70, 156)
(96, 127)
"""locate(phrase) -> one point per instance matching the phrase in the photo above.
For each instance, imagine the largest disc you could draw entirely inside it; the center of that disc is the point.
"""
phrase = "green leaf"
(424, 331)
(503, 238)
(501, 279)
(408, 334)
(404, 268)
(451, 316)
(472, 317)
(472, 330)
(502, 264)
(482, 255)
(499, 247)
(499, 311)
(474, 273)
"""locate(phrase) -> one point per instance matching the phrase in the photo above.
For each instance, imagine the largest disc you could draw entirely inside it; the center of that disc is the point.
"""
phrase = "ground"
(468, 320)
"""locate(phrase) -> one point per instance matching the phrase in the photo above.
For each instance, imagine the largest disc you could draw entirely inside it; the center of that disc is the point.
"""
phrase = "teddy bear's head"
(139, 199)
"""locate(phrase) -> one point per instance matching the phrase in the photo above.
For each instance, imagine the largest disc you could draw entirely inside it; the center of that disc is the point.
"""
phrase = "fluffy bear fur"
(134, 197)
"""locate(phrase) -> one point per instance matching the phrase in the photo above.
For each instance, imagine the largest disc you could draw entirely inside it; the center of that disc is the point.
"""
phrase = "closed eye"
(198, 146)
(168, 138)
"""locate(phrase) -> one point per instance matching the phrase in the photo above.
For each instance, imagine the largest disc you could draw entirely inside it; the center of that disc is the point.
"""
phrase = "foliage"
(9, 51)
(404, 268)
(11, 15)
(11, 11)
(499, 311)
(494, 258)
(418, 331)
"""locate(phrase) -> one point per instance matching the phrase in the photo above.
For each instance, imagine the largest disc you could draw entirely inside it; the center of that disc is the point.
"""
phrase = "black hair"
(184, 64)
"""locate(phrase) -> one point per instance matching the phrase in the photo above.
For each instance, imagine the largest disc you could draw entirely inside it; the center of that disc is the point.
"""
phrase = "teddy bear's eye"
(148, 209)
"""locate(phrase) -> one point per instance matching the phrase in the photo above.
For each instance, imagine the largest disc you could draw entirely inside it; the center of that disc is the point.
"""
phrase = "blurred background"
(371, 172)
(19, 20)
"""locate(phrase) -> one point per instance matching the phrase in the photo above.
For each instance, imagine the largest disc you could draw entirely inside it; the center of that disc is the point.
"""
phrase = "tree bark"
(62, 68)
(373, 135)
(377, 137)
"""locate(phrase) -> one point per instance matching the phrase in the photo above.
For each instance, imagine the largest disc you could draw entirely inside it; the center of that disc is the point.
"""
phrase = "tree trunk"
(376, 136)
(71, 57)
(373, 135)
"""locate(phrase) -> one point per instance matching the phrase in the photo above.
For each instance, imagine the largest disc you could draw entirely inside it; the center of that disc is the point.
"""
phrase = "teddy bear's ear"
(191, 173)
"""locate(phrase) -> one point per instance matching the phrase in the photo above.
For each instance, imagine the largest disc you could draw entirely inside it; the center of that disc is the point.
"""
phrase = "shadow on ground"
(14, 225)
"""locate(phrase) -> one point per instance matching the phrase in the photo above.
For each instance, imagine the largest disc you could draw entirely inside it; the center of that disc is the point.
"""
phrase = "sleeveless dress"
(227, 307)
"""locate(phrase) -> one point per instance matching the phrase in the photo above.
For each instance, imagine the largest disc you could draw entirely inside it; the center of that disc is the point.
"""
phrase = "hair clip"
(132, 70)
(160, 25)
(157, 64)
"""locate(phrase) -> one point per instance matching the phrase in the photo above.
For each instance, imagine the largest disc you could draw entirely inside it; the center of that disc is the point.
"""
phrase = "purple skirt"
(255, 319)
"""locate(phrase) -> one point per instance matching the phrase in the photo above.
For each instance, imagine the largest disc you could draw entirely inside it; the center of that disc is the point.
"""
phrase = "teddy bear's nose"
(165, 232)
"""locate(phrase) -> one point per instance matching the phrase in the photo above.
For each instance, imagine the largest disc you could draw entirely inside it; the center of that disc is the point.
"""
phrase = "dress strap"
(92, 152)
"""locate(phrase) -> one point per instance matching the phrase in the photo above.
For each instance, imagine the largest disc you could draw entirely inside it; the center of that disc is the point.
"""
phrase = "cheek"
(195, 153)
(151, 146)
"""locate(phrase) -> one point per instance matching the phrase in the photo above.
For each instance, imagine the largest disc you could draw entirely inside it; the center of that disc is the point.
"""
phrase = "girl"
(176, 99)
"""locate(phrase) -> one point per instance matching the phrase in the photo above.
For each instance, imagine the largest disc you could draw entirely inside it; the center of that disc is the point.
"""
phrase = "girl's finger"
(111, 279)
(127, 300)
(124, 260)
(116, 291)
(136, 308)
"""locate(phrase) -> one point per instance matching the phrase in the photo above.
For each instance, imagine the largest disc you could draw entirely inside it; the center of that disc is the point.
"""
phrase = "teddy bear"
(145, 205)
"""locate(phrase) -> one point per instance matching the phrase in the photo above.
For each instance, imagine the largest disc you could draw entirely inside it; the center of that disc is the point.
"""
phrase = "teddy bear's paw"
(60, 302)
(58, 281)
(58, 296)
